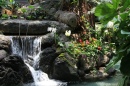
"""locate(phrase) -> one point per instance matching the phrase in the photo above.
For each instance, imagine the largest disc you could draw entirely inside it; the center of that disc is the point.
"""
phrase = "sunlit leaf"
(115, 3)
(125, 32)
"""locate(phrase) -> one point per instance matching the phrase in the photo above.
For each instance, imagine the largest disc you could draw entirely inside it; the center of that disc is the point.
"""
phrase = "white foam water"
(41, 79)
(31, 47)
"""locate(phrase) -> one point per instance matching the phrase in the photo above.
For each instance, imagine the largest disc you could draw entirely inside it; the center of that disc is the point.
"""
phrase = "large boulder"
(30, 27)
(47, 58)
(47, 40)
(5, 43)
(65, 69)
(13, 71)
(57, 68)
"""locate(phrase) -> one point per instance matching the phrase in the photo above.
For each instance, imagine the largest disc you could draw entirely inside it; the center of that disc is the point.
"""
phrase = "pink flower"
(87, 42)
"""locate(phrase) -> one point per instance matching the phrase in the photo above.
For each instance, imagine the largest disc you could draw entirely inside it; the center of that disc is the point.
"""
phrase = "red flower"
(99, 48)
(80, 40)
(87, 42)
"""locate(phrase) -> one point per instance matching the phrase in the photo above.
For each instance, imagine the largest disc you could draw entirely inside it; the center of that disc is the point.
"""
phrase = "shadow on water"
(111, 81)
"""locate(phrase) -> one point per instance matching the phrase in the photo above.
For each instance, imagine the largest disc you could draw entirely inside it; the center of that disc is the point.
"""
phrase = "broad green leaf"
(125, 64)
(124, 15)
(11, 1)
(115, 3)
(109, 5)
(125, 4)
(125, 32)
(105, 12)
(103, 9)
(31, 7)
(112, 63)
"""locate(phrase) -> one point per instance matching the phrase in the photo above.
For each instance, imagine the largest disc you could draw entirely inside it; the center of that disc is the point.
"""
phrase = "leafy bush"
(118, 11)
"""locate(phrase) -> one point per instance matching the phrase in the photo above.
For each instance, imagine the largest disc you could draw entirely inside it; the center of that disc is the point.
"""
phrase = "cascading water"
(26, 46)
(29, 47)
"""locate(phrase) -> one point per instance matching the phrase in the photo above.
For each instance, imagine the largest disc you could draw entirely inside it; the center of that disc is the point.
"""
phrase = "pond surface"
(112, 81)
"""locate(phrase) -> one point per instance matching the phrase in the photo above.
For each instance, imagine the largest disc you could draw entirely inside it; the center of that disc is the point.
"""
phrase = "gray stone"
(57, 68)
(30, 27)
(5, 43)
(102, 60)
(47, 40)
(3, 54)
(47, 58)
(13, 71)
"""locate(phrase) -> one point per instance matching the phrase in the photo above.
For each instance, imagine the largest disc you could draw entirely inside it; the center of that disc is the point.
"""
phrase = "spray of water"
(30, 47)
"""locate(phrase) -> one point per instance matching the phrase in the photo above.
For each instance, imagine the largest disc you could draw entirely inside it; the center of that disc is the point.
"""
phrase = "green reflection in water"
(112, 81)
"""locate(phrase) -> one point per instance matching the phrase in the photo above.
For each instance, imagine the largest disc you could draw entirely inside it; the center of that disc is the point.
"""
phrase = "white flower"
(19, 11)
(51, 29)
(106, 31)
(68, 32)
(110, 24)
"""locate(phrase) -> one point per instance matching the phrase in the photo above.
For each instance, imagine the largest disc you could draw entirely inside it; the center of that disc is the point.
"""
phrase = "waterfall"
(26, 46)
(30, 47)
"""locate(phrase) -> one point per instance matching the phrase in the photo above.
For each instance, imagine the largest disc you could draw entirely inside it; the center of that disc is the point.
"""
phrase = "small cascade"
(41, 79)
(30, 47)
(26, 46)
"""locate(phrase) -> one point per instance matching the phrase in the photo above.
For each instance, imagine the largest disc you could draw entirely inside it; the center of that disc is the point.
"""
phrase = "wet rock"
(64, 39)
(47, 57)
(95, 75)
(3, 54)
(5, 43)
(13, 71)
(30, 27)
(57, 68)
(47, 40)
(65, 69)
(83, 64)
(112, 71)
(102, 60)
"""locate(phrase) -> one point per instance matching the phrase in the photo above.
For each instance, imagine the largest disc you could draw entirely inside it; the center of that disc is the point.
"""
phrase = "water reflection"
(111, 81)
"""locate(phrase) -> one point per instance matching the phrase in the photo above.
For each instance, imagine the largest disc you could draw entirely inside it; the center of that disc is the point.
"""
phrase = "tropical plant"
(3, 3)
(12, 5)
(118, 11)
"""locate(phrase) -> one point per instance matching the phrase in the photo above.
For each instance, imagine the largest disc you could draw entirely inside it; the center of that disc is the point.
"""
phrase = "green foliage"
(118, 11)
(4, 16)
(107, 11)
(11, 5)
(89, 49)
(3, 3)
